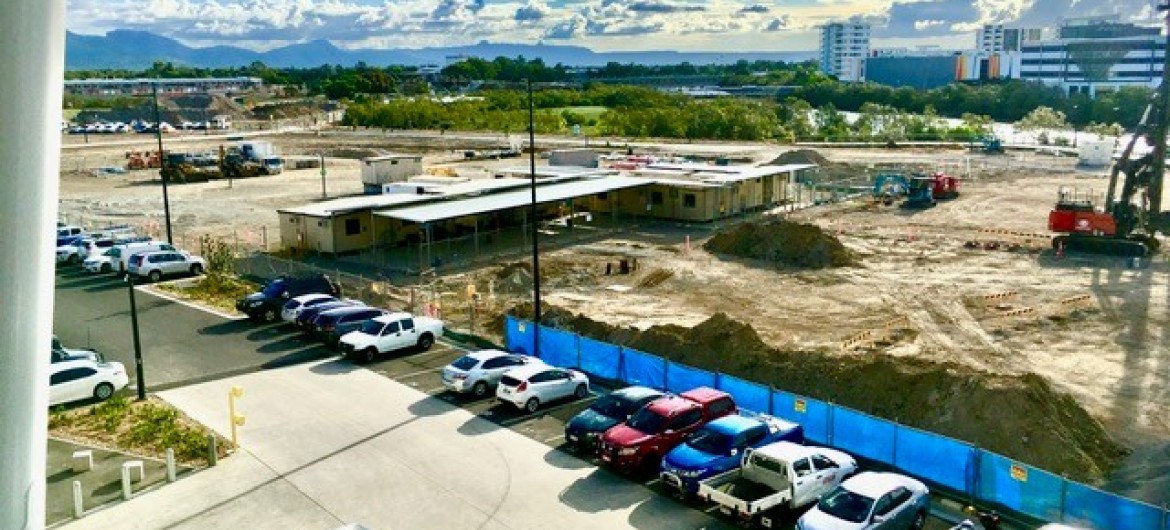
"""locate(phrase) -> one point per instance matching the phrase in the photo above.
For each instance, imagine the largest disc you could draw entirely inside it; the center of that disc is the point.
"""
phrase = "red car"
(640, 443)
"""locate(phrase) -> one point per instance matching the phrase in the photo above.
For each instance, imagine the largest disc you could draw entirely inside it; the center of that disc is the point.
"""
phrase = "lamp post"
(137, 344)
(162, 160)
(533, 220)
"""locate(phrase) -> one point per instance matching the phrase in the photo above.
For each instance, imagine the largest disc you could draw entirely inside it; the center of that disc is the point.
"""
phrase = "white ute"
(388, 333)
(775, 477)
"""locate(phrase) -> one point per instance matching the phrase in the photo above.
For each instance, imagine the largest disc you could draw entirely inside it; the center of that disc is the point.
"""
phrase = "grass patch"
(143, 427)
(216, 290)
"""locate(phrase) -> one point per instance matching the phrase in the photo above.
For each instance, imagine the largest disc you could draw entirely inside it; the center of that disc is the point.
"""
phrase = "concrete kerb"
(155, 291)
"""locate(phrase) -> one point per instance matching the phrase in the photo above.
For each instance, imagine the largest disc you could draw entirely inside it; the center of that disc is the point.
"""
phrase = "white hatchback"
(480, 371)
(84, 379)
(527, 387)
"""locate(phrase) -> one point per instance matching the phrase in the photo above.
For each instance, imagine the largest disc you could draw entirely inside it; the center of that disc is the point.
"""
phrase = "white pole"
(32, 57)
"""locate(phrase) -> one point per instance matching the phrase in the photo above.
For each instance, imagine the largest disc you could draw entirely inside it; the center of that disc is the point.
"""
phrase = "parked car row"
(152, 260)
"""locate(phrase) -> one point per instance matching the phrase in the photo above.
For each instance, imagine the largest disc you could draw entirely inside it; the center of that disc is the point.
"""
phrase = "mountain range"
(137, 50)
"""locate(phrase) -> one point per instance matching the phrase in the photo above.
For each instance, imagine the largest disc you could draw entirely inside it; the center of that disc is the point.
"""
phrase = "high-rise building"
(1090, 55)
(843, 49)
(997, 38)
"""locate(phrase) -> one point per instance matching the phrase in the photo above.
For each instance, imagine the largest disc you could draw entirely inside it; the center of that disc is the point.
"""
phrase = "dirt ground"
(916, 295)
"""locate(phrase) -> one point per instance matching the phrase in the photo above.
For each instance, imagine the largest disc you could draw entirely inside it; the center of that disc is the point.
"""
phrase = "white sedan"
(871, 501)
(527, 387)
(84, 379)
(480, 371)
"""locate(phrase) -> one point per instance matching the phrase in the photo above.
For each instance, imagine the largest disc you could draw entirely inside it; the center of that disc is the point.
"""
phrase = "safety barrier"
(984, 476)
(1015, 312)
(999, 296)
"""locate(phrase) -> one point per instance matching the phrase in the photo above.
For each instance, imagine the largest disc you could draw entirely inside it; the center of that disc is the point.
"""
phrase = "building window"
(353, 227)
(603, 196)
(689, 200)
(656, 198)
(292, 220)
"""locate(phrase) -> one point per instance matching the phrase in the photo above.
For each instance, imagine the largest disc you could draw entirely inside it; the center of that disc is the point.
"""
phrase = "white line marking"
(413, 374)
(557, 438)
(180, 301)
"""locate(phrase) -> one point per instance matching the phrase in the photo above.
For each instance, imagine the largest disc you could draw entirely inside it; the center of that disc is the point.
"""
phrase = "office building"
(843, 49)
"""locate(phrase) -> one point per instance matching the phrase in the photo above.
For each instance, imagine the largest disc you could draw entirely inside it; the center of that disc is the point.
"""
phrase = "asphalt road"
(180, 344)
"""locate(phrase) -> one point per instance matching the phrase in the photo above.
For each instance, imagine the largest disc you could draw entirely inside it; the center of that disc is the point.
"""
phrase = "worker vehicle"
(775, 478)
(266, 304)
(926, 190)
(640, 443)
(718, 447)
(991, 145)
(871, 501)
(889, 187)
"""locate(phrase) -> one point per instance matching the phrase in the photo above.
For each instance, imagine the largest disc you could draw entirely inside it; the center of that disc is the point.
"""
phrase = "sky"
(602, 25)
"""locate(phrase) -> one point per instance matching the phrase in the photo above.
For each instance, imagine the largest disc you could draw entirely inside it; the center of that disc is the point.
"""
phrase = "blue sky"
(604, 25)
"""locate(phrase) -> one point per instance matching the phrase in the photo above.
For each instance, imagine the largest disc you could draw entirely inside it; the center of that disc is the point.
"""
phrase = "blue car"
(718, 446)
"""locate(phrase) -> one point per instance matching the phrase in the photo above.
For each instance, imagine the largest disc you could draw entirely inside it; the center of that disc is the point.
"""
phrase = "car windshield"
(846, 505)
(647, 421)
(372, 327)
(466, 362)
(273, 288)
(613, 407)
(709, 441)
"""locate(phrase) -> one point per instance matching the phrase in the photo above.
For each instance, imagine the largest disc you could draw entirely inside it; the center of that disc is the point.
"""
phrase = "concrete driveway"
(328, 443)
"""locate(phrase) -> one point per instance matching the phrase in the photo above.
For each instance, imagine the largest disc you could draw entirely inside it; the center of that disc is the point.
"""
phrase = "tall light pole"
(162, 160)
(532, 219)
(137, 343)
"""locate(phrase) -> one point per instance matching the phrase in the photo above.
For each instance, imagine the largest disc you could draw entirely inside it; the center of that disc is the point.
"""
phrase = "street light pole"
(532, 219)
(137, 343)
(162, 160)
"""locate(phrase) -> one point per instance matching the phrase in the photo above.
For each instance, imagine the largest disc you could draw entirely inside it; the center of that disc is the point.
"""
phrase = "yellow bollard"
(236, 421)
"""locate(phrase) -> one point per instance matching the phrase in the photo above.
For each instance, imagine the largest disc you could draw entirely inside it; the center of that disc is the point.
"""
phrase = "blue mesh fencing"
(864, 435)
(747, 395)
(639, 368)
(680, 378)
(518, 335)
(1096, 509)
(948, 462)
(600, 359)
(1019, 487)
(812, 414)
(558, 347)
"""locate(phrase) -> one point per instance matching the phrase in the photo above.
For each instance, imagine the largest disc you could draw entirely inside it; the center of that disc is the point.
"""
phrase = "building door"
(769, 190)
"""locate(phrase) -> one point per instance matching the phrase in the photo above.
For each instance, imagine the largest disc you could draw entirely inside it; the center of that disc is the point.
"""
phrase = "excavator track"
(1132, 247)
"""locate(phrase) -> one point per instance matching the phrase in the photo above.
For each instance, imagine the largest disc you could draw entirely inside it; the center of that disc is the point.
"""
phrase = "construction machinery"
(926, 190)
(1130, 216)
(991, 145)
(889, 187)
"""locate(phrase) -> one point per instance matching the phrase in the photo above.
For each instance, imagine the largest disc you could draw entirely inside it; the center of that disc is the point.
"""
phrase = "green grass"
(589, 112)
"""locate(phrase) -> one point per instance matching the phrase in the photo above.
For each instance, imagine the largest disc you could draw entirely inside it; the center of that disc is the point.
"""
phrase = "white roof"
(714, 174)
(528, 370)
(392, 317)
(383, 158)
(874, 485)
(355, 204)
(787, 451)
(557, 171)
(512, 199)
(483, 355)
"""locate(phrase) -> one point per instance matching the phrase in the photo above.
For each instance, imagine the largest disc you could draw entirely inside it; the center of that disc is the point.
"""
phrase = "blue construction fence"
(987, 477)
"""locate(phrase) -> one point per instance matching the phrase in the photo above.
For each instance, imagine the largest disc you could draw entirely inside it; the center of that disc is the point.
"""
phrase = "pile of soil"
(800, 156)
(1021, 417)
(782, 242)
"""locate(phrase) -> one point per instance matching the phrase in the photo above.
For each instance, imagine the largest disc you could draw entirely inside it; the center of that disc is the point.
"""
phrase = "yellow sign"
(800, 405)
(1019, 472)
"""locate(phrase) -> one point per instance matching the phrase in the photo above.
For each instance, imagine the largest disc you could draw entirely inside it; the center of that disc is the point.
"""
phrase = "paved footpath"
(328, 444)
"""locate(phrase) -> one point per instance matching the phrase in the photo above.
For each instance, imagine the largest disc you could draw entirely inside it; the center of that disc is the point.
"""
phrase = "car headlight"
(628, 451)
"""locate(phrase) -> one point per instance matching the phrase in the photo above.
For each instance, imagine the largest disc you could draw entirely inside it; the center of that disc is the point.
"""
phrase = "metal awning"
(451, 209)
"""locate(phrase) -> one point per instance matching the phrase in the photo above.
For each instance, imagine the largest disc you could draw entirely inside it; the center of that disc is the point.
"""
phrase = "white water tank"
(1095, 153)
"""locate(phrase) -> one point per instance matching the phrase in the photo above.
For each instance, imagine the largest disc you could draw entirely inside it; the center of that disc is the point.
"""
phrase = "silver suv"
(155, 265)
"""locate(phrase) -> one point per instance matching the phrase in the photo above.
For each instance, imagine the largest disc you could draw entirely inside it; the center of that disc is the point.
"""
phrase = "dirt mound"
(800, 156)
(1021, 417)
(783, 242)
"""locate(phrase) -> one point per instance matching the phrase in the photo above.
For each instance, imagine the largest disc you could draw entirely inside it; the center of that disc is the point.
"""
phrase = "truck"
(717, 448)
(391, 332)
(639, 444)
(779, 477)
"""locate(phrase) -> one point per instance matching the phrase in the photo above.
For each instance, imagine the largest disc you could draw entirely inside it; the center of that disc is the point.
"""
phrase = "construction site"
(960, 318)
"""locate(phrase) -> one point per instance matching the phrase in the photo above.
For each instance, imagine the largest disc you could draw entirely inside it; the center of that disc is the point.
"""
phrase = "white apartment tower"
(843, 49)
(997, 38)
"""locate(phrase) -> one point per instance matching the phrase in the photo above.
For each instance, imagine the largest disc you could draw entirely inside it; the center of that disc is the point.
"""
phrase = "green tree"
(1043, 118)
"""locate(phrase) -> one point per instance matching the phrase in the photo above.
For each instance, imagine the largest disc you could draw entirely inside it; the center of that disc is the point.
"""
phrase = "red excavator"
(1128, 221)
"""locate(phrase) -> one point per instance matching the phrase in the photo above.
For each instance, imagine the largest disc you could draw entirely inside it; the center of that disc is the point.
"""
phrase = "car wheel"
(106, 267)
(532, 404)
(425, 341)
(919, 521)
(196, 269)
(103, 391)
(581, 392)
(479, 389)
(270, 315)
(370, 354)
(155, 276)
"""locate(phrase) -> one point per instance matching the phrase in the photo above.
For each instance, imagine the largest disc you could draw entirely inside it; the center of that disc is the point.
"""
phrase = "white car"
(84, 379)
(101, 262)
(155, 265)
(479, 372)
(871, 501)
(293, 308)
(387, 333)
(530, 385)
(120, 254)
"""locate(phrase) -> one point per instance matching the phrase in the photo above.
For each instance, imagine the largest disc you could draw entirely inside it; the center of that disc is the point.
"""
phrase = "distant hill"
(138, 50)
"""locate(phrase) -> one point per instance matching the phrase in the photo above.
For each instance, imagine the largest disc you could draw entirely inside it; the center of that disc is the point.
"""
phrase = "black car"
(307, 315)
(265, 305)
(583, 431)
(332, 324)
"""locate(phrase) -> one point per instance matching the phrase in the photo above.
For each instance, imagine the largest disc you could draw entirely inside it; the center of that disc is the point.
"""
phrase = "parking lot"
(183, 345)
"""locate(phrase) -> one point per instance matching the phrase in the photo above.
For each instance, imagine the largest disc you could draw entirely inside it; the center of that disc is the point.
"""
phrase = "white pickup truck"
(387, 333)
(776, 477)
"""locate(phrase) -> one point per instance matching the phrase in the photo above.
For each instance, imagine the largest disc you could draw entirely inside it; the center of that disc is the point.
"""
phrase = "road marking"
(544, 412)
(180, 301)
(550, 440)
(413, 374)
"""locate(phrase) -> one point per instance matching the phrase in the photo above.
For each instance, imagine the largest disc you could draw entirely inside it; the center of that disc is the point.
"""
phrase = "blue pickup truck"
(718, 447)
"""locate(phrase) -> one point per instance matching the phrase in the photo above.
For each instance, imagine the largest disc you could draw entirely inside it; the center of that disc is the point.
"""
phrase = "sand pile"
(781, 242)
(1021, 417)
(800, 156)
